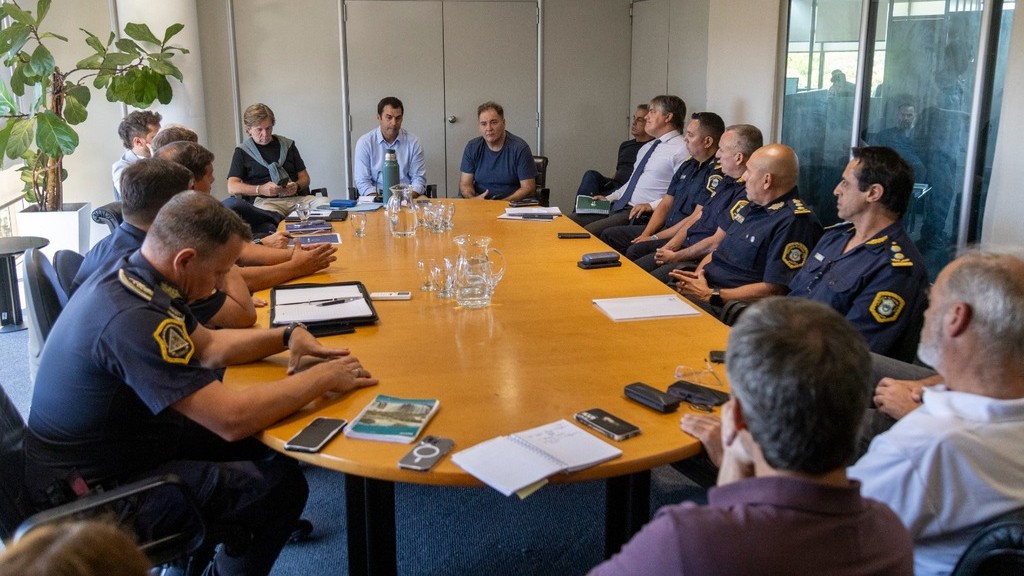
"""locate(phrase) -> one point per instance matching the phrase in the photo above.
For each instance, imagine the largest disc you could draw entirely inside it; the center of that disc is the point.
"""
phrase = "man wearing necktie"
(656, 162)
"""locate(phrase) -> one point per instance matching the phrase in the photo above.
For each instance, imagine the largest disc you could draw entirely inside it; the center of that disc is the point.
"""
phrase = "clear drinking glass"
(358, 221)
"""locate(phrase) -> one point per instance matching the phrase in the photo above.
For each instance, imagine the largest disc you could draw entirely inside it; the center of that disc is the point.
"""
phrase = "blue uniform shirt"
(693, 183)
(118, 357)
(501, 171)
(880, 286)
(729, 196)
(765, 244)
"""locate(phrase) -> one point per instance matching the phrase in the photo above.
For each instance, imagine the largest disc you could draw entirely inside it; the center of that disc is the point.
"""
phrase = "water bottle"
(389, 174)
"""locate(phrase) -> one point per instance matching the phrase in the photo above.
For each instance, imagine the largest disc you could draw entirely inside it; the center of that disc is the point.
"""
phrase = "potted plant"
(133, 70)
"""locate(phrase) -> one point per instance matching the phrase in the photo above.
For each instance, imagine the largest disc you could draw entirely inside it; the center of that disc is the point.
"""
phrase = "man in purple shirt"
(783, 504)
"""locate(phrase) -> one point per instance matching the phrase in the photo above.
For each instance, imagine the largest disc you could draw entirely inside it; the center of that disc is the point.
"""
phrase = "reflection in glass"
(920, 85)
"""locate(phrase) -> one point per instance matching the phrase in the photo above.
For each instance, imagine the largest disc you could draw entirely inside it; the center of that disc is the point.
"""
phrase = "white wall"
(1004, 211)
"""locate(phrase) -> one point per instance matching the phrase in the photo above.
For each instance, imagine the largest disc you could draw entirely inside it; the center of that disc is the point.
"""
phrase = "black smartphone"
(573, 235)
(315, 435)
(600, 257)
(524, 202)
(591, 266)
(717, 356)
(611, 426)
(426, 454)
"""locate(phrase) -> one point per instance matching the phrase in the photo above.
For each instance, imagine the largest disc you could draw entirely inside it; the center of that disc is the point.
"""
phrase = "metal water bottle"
(389, 174)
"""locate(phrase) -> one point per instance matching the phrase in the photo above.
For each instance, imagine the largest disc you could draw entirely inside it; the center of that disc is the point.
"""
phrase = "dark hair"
(147, 184)
(711, 123)
(189, 154)
(885, 167)
(674, 105)
(490, 105)
(801, 373)
(390, 101)
(645, 107)
(195, 220)
(750, 138)
(173, 134)
(136, 125)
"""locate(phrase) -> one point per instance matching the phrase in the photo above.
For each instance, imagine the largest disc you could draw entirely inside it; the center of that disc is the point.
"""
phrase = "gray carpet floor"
(440, 531)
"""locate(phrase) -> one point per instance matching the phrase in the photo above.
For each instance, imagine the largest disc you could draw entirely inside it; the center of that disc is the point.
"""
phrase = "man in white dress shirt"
(369, 152)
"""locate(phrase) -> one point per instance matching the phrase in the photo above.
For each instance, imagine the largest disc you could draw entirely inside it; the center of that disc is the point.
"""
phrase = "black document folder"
(324, 308)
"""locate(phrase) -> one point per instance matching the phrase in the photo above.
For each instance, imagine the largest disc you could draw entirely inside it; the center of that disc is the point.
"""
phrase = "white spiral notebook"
(510, 463)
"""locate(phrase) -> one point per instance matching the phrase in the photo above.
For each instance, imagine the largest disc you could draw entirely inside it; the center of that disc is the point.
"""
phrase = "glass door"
(917, 88)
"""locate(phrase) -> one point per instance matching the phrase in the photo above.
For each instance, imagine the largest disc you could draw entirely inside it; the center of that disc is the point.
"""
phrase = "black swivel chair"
(997, 550)
(67, 263)
(44, 299)
(109, 214)
(543, 192)
(18, 516)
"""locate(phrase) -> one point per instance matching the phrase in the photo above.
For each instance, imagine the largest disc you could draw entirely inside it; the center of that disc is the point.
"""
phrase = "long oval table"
(540, 352)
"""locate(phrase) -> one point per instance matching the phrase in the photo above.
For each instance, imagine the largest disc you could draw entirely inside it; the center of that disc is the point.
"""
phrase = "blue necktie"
(631, 185)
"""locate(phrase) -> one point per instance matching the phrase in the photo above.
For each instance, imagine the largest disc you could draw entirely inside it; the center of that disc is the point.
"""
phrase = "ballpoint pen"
(325, 301)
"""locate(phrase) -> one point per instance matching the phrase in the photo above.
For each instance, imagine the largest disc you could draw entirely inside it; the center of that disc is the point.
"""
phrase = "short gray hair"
(748, 138)
(992, 284)
(800, 372)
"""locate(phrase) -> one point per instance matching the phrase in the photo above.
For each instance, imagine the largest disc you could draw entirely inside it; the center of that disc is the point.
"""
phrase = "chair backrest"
(997, 550)
(109, 214)
(67, 263)
(14, 506)
(543, 193)
(44, 300)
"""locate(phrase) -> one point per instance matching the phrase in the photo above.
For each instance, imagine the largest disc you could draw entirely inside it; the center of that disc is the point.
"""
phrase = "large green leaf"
(102, 79)
(18, 80)
(93, 41)
(8, 105)
(14, 34)
(141, 32)
(52, 35)
(94, 61)
(14, 11)
(22, 130)
(144, 89)
(5, 135)
(165, 68)
(128, 46)
(164, 92)
(54, 136)
(42, 61)
(41, 9)
(117, 59)
(76, 99)
(171, 31)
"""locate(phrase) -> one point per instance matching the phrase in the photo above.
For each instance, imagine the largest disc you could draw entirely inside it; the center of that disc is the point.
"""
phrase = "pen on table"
(325, 301)
(538, 216)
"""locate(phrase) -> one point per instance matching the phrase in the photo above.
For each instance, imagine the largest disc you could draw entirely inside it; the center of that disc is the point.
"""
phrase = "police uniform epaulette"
(798, 207)
(898, 258)
(140, 288)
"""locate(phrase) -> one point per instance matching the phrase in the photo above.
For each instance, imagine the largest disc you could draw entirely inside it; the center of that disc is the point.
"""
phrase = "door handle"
(452, 118)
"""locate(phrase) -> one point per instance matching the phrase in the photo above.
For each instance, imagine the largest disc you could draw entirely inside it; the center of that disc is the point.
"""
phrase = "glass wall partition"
(917, 89)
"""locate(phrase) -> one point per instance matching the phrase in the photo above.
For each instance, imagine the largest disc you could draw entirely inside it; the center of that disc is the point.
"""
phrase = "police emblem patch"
(712, 183)
(886, 307)
(175, 345)
(735, 210)
(794, 255)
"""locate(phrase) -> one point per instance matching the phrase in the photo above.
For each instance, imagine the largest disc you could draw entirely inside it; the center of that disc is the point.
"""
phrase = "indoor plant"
(40, 132)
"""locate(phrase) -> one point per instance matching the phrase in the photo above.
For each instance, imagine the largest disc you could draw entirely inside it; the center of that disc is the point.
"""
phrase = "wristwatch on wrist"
(291, 328)
(716, 297)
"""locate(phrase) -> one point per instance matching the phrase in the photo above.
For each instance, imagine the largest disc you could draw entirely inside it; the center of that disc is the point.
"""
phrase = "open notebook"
(325, 308)
(517, 461)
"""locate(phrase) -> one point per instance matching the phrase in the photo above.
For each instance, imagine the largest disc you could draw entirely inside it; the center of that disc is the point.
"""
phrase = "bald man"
(765, 246)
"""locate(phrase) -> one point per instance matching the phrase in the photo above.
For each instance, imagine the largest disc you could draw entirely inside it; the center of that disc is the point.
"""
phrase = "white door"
(443, 59)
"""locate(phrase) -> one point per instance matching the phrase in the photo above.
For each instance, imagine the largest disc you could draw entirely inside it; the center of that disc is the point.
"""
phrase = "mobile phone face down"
(717, 356)
(426, 454)
(573, 235)
(600, 257)
(611, 426)
(315, 435)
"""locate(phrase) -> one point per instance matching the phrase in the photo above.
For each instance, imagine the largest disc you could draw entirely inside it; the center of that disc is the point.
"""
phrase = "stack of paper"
(642, 307)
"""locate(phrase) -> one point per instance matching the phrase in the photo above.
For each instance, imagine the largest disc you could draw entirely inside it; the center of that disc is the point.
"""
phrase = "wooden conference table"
(540, 352)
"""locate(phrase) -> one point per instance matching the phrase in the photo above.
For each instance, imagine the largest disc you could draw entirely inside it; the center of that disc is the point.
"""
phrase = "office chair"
(18, 516)
(997, 550)
(109, 214)
(44, 299)
(543, 193)
(67, 263)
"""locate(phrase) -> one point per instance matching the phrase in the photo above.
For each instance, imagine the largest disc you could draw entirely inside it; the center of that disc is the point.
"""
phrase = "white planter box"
(66, 230)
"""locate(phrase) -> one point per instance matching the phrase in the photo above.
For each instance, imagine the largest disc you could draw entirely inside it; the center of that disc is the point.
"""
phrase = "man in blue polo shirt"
(867, 267)
(370, 148)
(497, 165)
(765, 246)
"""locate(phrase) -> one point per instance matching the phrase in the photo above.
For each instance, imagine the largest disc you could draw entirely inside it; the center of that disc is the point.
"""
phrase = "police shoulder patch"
(794, 255)
(886, 307)
(712, 183)
(734, 212)
(175, 345)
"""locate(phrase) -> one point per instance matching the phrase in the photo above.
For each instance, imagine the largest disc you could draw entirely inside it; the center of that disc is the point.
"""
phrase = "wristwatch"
(291, 328)
(716, 297)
